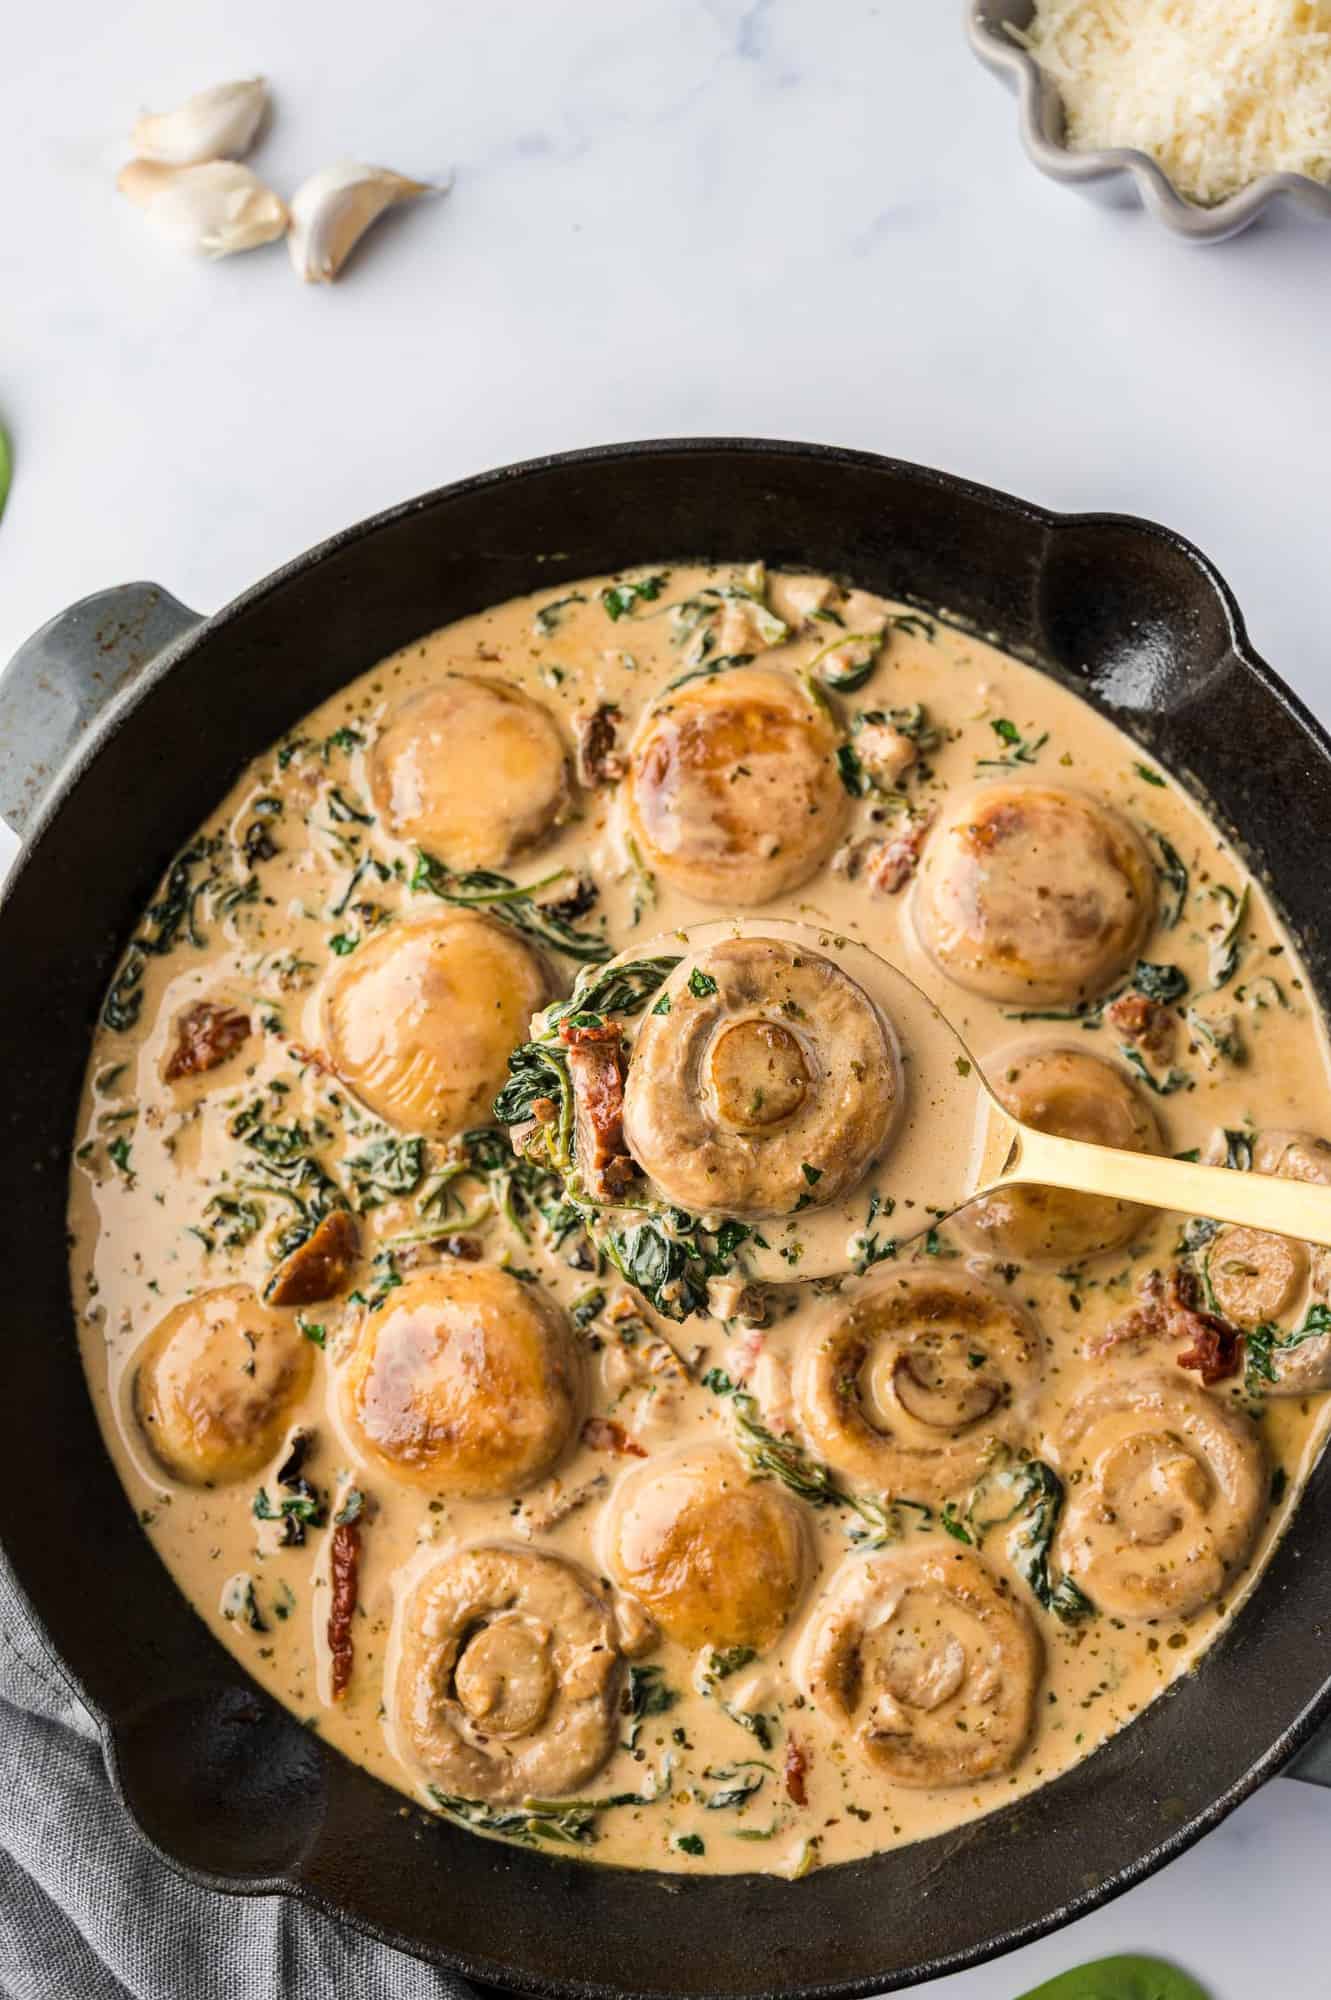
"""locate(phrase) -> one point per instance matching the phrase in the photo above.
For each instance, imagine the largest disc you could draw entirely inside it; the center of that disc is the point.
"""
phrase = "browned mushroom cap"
(464, 1381)
(1032, 894)
(1166, 1489)
(928, 1664)
(906, 1388)
(216, 1383)
(1076, 1095)
(718, 1558)
(769, 1084)
(733, 790)
(471, 770)
(420, 1021)
(508, 1678)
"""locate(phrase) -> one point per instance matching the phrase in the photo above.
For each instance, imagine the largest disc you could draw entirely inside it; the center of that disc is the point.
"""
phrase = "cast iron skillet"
(227, 1786)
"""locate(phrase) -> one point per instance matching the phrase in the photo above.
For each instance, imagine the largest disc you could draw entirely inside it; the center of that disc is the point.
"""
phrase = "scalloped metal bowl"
(1119, 175)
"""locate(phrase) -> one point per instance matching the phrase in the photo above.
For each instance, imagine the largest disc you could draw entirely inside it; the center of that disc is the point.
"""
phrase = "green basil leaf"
(1125, 1978)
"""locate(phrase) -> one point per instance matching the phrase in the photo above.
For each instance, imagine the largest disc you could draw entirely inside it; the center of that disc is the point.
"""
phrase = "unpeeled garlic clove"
(332, 210)
(213, 208)
(216, 124)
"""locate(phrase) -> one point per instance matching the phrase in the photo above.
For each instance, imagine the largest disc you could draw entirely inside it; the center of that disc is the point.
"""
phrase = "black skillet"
(153, 712)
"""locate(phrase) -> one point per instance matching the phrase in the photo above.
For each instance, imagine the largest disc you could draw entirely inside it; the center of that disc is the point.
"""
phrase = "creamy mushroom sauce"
(737, 1766)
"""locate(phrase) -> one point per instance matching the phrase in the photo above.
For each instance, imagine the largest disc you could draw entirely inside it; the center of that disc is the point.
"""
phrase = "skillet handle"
(58, 683)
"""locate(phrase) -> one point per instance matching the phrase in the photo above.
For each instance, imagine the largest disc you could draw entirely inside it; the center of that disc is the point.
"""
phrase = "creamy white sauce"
(136, 1209)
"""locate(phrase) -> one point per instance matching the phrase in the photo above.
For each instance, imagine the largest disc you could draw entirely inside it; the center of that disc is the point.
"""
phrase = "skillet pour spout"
(102, 767)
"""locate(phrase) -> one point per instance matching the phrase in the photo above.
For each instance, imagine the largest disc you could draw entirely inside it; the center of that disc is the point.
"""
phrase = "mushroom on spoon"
(785, 1078)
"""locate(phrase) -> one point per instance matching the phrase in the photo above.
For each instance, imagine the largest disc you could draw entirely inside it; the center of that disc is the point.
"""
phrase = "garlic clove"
(216, 124)
(332, 210)
(214, 208)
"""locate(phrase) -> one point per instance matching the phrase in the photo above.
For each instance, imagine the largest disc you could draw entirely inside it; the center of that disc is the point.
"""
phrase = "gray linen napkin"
(88, 1912)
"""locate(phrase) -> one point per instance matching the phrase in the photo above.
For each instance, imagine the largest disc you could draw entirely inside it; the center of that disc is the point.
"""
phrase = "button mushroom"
(1258, 1279)
(928, 1665)
(1167, 1487)
(770, 1084)
(907, 1388)
(419, 1022)
(1078, 1096)
(471, 770)
(1255, 1277)
(733, 790)
(216, 1384)
(464, 1381)
(718, 1558)
(509, 1676)
(1034, 895)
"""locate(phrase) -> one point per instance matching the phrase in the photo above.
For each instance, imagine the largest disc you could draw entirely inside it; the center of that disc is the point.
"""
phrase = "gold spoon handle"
(1286, 1208)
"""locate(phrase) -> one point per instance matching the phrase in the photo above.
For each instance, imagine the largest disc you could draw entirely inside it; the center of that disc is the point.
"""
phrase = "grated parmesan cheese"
(1219, 92)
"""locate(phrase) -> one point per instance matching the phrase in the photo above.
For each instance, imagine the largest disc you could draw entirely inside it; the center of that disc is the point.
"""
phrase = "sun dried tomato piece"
(1148, 1024)
(596, 1073)
(1216, 1350)
(206, 1035)
(344, 1571)
(589, 1034)
(889, 866)
(597, 733)
(604, 1434)
(796, 1771)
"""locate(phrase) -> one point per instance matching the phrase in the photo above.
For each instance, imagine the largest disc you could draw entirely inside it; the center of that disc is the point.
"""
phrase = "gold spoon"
(953, 1142)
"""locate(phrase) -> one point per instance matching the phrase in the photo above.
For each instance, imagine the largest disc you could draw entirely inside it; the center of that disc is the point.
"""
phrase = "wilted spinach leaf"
(388, 1169)
(512, 904)
(620, 598)
(1159, 982)
(1174, 881)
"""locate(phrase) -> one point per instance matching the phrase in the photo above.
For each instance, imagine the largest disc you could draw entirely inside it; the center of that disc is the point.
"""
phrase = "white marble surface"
(800, 218)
